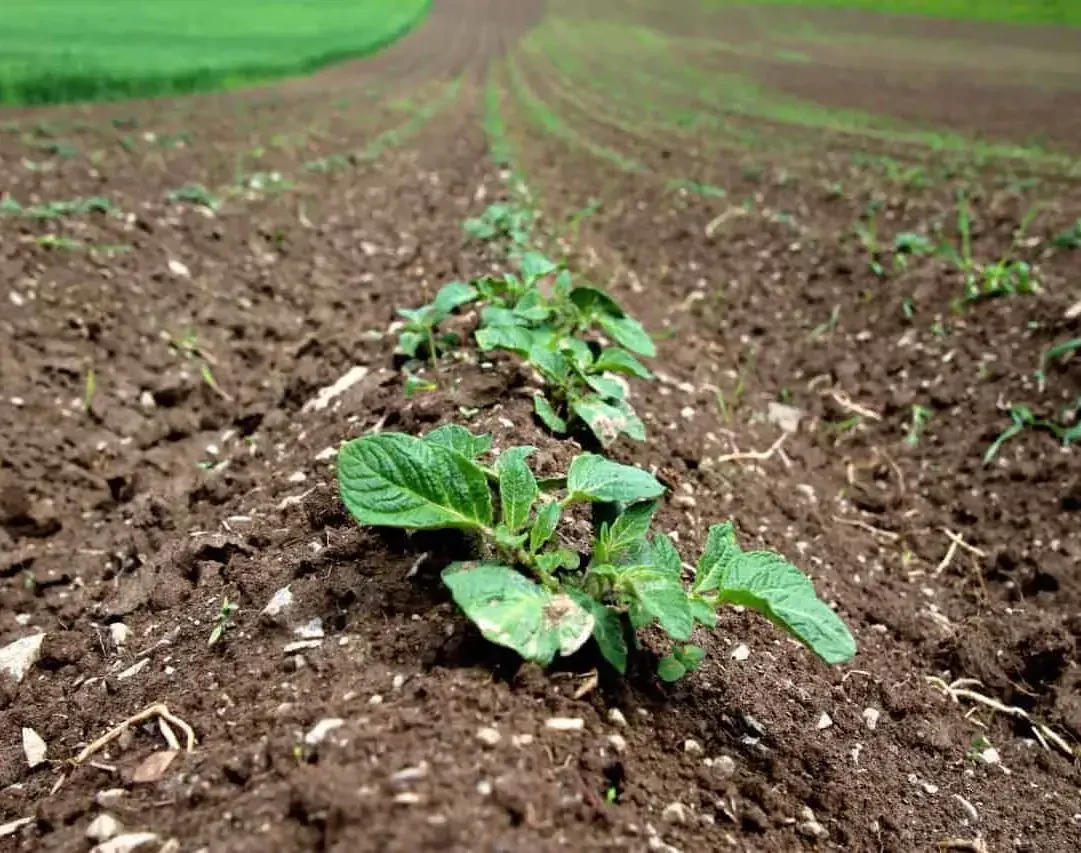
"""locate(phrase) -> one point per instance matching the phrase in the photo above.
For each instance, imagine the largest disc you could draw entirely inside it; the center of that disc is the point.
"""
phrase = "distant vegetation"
(1014, 11)
(52, 51)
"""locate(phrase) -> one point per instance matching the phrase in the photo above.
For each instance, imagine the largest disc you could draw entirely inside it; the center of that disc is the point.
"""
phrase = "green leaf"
(452, 295)
(595, 303)
(665, 556)
(459, 439)
(607, 629)
(606, 386)
(511, 610)
(615, 360)
(607, 421)
(550, 363)
(703, 612)
(629, 333)
(495, 315)
(561, 558)
(545, 525)
(690, 656)
(409, 343)
(517, 486)
(548, 415)
(506, 538)
(417, 385)
(721, 550)
(768, 584)
(631, 526)
(669, 669)
(661, 596)
(395, 480)
(579, 353)
(534, 265)
(517, 339)
(593, 478)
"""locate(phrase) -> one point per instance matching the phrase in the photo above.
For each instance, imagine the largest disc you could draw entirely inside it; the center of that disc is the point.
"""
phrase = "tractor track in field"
(732, 241)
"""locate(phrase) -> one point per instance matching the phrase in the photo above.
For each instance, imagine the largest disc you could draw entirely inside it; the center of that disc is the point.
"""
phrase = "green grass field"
(52, 51)
(1061, 12)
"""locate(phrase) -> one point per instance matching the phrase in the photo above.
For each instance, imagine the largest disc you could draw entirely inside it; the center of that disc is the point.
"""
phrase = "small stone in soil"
(616, 718)
(279, 605)
(34, 748)
(318, 733)
(565, 724)
(16, 658)
(103, 827)
(675, 813)
(824, 722)
(126, 843)
(489, 736)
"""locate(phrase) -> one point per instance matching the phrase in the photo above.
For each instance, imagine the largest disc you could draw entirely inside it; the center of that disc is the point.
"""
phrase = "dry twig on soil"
(159, 710)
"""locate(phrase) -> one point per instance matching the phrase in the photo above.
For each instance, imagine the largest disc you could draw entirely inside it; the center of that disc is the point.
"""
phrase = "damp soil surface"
(165, 446)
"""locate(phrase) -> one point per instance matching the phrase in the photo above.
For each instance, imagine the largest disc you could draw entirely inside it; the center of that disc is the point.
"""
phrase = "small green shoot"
(194, 194)
(502, 221)
(1022, 417)
(1054, 353)
(418, 339)
(921, 417)
(824, 329)
(90, 387)
(208, 379)
(528, 590)
(1068, 239)
(1008, 276)
(225, 619)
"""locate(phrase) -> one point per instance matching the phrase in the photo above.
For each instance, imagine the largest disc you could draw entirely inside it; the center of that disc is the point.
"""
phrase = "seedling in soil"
(1022, 418)
(921, 417)
(547, 320)
(1070, 238)
(909, 244)
(502, 221)
(194, 194)
(418, 338)
(225, 619)
(543, 318)
(89, 389)
(825, 328)
(528, 591)
(417, 385)
(208, 379)
(57, 209)
(1008, 276)
(1054, 354)
(867, 233)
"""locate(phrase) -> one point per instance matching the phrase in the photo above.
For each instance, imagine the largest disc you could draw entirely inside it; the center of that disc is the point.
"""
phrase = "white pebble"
(741, 652)
(320, 730)
(489, 736)
(34, 748)
(824, 722)
(103, 827)
(565, 724)
(870, 717)
(692, 747)
(618, 742)
(616, 718)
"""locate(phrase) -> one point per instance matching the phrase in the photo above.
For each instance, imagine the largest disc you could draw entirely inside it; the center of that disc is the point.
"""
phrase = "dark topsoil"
(122, 528)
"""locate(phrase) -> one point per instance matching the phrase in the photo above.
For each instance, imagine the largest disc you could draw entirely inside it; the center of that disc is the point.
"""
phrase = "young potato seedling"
(541, 316)
(502, 221)
(528, 591)
(1008, 276)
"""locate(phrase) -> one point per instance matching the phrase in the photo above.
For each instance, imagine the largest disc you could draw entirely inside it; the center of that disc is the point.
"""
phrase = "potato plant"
(557, 327)
(529, 591)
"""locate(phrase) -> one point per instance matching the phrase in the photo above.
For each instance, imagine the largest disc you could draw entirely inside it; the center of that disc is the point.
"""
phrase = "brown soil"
(132, 520)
